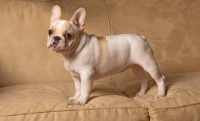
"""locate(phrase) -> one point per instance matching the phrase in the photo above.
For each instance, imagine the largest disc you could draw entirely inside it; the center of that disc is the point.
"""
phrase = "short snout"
(56, 40)
(56, 43)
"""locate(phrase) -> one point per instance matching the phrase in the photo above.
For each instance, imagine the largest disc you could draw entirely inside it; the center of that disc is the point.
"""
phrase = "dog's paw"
(140, 94)
(80, 101)
(159, 96)
(72, 98)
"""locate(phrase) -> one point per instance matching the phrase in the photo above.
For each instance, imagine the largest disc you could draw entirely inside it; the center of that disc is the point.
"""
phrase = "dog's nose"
(56, 40)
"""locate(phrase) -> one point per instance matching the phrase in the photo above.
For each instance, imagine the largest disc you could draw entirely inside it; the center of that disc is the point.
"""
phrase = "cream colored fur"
(88, 57)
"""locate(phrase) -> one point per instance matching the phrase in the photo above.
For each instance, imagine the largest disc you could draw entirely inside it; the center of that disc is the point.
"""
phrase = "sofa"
(34, 86)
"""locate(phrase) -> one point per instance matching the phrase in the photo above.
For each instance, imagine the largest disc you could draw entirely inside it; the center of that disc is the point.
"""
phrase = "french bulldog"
(88, 57)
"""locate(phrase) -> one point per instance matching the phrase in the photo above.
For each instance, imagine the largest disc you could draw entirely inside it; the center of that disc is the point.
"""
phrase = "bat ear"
(55, 14)
(78, 19)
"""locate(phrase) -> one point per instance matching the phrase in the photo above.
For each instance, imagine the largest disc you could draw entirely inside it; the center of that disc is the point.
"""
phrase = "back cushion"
(24, 57)
(171, 28)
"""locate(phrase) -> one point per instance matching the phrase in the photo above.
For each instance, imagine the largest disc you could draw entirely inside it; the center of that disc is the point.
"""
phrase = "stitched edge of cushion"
(75, 110)
(159, 110)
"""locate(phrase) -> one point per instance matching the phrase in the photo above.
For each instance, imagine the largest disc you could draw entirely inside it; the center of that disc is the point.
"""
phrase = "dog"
(88, 57)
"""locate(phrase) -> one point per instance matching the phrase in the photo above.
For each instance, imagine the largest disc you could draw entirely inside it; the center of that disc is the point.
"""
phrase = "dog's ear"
(55, 14)
(78, 19)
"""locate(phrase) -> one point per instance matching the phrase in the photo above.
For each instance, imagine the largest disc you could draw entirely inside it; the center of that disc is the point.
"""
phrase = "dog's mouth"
(60, 46)
(57, 48)
(53, 47)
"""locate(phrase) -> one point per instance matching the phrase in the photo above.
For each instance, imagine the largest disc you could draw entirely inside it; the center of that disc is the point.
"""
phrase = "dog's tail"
(143, 37)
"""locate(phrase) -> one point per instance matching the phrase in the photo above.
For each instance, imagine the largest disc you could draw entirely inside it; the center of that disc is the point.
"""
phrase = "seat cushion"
(49, 102)
(182, 100)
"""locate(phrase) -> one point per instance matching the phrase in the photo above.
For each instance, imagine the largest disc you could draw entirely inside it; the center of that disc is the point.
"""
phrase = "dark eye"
(50, 32)
(68, 36)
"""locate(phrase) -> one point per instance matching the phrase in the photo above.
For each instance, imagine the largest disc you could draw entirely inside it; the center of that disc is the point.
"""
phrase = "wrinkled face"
(60, 36)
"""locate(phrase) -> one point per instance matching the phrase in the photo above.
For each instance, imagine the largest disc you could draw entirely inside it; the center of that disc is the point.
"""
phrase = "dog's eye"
(50, 32)
(68, 36)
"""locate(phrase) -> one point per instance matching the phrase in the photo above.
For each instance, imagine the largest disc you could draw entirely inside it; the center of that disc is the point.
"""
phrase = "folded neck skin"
(77, 45)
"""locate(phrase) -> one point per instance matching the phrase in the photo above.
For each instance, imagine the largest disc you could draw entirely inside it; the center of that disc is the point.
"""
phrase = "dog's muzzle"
(56, 40)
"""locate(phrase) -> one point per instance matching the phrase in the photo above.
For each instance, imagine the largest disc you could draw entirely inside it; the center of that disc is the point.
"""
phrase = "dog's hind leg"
(149, 64)
(142, 78)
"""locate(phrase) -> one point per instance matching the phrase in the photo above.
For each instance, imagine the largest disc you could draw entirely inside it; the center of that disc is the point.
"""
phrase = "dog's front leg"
(77, 83)
(86, 84)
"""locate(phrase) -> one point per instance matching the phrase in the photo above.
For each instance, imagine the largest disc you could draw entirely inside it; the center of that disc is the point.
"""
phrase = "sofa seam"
(74, 110)
(108, 17)
(170, 108)
(109, 33)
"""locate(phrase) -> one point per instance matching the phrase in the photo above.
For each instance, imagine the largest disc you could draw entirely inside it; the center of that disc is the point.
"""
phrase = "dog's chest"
(72, 69)
(74, 74)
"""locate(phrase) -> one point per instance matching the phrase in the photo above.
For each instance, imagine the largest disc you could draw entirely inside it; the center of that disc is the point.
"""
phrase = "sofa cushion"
(49, 102)
(175, 40)
(182, 102)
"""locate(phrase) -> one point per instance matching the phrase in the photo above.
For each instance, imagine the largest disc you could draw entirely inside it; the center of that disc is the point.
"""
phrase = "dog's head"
(62, 34)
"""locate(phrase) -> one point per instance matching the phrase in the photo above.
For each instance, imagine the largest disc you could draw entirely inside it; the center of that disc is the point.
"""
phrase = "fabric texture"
(171, 28)
(181, 103)
(49, 102)
(24, 28)
(34, 86)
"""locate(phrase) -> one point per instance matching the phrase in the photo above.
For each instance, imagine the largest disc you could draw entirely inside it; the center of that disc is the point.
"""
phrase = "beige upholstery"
(35, 86)
(182, 102)
(171, 28)
(50, 102)
(47, 102)
(24, 25)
